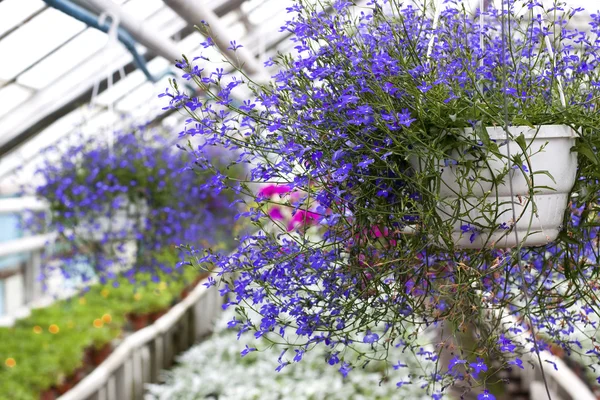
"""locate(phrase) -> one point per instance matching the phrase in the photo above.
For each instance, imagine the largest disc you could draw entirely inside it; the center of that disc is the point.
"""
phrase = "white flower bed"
(214, 369)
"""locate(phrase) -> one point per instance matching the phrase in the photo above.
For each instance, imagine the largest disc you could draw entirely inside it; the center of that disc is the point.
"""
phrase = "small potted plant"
(147, 303)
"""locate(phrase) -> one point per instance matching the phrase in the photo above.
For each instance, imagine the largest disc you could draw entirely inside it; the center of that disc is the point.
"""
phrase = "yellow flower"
(104, 293)
(37, 329)
(10, 362)
(107, 318)
(82, 301)
(137, 296)
(54, 329)
(162, 285)
(98, 323)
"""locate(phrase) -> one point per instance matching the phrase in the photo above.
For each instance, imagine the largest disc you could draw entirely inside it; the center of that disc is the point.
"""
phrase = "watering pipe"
(93, 21)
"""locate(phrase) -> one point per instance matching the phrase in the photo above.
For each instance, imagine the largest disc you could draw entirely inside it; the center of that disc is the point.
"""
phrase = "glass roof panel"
(110, 58)
(191, 42)
(75, 52)
(260, 12)
(55, 59)
(164, 16)
(13, 12)
(28, 154)
(11, 96)
(157, 67)
(35, 40)
(142, 9)
(235, 29)
(142, 94)
(119, 90)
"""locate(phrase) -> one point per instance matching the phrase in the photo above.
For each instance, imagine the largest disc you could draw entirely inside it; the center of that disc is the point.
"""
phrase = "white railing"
(25, 245)
(562, 382)
(29, 270)
(140, 357)
(19, 204)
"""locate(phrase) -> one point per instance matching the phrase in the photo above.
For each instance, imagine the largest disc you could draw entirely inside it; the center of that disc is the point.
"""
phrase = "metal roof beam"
(49, 105)
(61, 97)
(194, 12)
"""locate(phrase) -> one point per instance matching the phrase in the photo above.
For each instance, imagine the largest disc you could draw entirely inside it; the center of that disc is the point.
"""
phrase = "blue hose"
(92, 20)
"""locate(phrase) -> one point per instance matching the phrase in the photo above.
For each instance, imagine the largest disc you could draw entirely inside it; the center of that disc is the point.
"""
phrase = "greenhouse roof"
(53, 64)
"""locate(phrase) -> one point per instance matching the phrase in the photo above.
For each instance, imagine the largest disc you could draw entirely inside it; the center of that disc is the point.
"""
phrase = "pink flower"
(303, 217)
(275, 213)
(273, 189)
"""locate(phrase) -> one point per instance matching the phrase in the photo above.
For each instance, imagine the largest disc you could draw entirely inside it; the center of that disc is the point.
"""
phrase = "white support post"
(143, 374)
(102, 394)
(169, 347)
(32, 284)
(123, 379)
(111, 389)
(159, 348)
(194, 12)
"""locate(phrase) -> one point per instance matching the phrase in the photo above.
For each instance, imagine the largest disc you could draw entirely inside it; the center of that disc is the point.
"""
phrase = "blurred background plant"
(118, 208)
(53, 348)
(119, 217)
(214, 369)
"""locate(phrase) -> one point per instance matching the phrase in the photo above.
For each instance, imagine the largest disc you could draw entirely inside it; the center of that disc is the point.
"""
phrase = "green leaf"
(523, 122)
(584, 148)
(521, 142)
(484, 136)
(536, 187)
(563, 236)
(548, 174)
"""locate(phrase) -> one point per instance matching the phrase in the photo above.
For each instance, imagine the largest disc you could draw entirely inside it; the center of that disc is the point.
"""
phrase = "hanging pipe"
(83, 15)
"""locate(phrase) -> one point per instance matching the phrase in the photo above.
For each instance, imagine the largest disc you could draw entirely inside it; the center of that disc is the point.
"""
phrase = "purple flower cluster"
(107, 201)
(339, 124)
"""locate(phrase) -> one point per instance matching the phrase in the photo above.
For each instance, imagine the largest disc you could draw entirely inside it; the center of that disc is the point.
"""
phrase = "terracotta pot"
(185, 292)
(99, 355)
(138, 321)
(48, 394)
(65, 386)
(201, 277)
(78, 375)
(557, 351)
(156, 315)
(87, 356)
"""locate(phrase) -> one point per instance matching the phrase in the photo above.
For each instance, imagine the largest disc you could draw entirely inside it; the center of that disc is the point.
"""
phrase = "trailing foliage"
(369, 90)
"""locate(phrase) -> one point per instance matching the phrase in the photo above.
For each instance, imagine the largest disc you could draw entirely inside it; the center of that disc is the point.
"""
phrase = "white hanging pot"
(115, 221)
(482, 213)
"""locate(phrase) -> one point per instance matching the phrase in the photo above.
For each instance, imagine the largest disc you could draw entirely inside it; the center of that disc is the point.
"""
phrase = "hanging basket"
(121, 220)
(477, 200)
